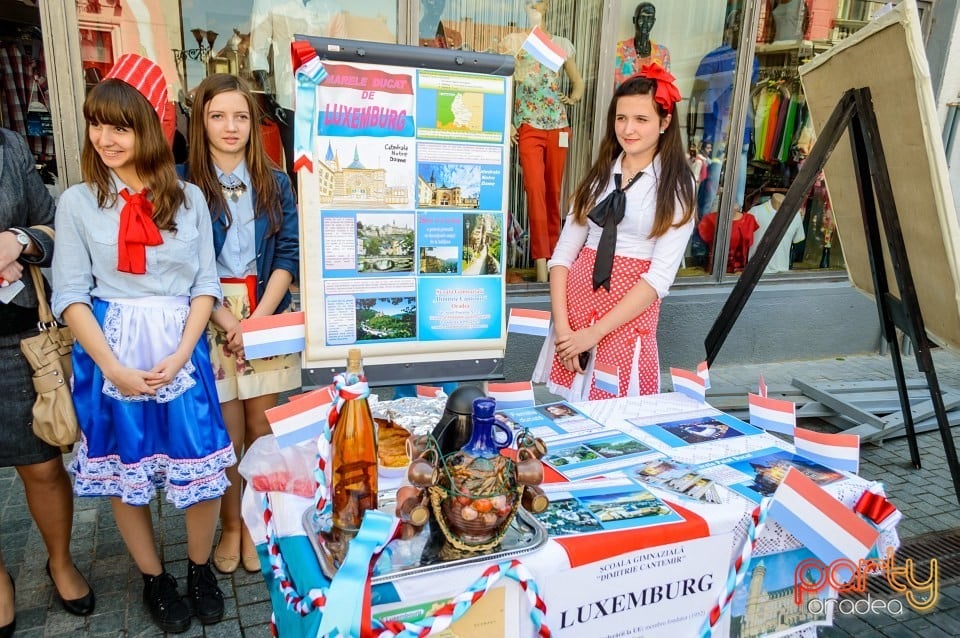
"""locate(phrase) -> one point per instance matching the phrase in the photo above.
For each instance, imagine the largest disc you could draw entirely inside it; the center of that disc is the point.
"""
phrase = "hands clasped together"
(570, 344)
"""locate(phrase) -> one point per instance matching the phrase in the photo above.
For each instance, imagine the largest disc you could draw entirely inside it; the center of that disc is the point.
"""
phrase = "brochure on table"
(549, 421)
(403, 214)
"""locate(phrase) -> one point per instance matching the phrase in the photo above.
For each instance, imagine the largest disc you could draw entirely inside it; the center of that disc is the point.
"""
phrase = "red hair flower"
(667, 92)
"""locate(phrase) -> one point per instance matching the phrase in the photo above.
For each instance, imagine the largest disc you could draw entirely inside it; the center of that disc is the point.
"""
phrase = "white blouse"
(633, 233)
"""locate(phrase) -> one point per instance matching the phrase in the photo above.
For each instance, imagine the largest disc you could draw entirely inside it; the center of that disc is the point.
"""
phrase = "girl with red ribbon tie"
(620, 249)
(256, 240)
(135, 277)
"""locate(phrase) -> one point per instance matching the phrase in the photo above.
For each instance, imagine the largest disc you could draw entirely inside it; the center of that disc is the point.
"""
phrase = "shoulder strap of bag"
(43, 307)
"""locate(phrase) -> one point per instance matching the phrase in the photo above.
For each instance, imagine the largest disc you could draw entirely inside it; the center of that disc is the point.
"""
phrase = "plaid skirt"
(18, 445)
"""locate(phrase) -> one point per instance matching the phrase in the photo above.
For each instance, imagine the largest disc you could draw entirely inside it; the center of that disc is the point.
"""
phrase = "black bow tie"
(608, 214)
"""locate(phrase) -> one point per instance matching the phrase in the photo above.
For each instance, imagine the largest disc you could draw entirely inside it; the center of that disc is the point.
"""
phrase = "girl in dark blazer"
(256, 239)
(25, 202)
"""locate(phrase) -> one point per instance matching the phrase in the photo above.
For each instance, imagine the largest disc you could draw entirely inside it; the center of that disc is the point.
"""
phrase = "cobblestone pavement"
(924, 496)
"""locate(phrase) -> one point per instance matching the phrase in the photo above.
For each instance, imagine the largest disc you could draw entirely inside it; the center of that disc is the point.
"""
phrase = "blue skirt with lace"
(131, 446)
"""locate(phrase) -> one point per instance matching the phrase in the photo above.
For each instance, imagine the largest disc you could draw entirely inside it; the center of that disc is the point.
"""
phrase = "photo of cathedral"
(357, 183)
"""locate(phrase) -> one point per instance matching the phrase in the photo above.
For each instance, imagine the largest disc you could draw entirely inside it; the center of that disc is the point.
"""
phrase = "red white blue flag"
(529, 322)
(512, 395)
(836, 451)
(828, 528)
(274, 335)
(428, 391)
(606, 377)
(762, 389)
(300, 420)
(704, 373)
(773, 415)
(544, 50)
(689, 383)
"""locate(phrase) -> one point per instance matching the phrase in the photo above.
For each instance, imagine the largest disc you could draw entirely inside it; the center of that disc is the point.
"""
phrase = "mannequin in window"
(712, 98)
(634, 52)
(741, 237)
(273, 25)
(432, 31)
(542, 133)
(788, 19)
(764, 212)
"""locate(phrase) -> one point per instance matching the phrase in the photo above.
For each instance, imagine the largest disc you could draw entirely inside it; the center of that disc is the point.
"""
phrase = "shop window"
(24, 98)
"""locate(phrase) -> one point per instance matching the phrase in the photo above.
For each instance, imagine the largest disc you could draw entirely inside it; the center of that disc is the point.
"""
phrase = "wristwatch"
(22, 238)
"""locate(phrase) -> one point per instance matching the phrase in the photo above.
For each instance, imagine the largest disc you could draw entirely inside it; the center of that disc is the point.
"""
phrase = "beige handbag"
(48, 353)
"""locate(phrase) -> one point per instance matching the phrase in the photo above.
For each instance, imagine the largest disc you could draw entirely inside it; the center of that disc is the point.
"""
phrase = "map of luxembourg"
(460, 111)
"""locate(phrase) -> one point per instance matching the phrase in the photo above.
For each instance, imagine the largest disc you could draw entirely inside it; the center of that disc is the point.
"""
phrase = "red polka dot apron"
(631, 348)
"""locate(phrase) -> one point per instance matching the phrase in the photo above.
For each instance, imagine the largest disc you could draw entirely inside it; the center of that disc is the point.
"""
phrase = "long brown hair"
(115, 103)
(201, 169)
(675, 181)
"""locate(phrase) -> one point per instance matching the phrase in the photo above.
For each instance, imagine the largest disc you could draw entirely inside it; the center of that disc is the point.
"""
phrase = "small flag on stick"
(300, 420)
(529, 322)
(512, 395)
(606, 377)
(826, 526)
(689, 383)
(836, 451)
(274, 335)
(544, 50)
(704, 373)
(773, 415)
(428, 391)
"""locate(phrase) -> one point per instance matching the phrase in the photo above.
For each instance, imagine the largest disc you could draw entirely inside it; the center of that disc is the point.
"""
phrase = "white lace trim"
(180, 384)
(185, 481)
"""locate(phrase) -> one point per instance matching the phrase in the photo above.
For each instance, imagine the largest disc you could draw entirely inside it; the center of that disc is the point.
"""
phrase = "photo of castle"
(766, 605)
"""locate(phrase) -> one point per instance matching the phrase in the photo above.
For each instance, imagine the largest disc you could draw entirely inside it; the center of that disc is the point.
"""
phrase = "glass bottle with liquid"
(354, 466)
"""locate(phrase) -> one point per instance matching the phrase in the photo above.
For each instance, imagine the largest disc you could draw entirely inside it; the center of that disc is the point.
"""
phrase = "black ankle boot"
(167, 608)
(204, 594)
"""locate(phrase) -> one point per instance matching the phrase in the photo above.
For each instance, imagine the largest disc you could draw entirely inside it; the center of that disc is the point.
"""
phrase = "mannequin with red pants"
(542, 134)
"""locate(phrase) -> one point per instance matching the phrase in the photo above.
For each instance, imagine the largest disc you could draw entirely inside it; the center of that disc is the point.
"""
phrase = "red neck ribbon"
(137, 231)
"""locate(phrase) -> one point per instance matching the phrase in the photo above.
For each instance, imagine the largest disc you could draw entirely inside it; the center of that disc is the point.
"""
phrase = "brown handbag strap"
(43, 308)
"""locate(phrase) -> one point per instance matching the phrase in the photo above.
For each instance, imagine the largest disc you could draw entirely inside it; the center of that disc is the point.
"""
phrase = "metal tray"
(428, 551)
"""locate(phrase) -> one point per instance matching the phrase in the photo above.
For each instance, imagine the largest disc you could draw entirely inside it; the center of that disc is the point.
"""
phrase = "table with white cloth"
(647, 581)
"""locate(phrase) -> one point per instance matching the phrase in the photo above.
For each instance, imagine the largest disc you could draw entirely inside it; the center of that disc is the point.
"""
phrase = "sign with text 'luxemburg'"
(660, 591)
(402, 170)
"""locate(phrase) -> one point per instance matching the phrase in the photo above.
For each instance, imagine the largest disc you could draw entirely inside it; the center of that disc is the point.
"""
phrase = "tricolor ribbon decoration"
(309, 72)
(756, 525)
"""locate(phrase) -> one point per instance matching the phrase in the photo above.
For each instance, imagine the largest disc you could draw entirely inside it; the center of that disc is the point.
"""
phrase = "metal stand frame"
(854, 114)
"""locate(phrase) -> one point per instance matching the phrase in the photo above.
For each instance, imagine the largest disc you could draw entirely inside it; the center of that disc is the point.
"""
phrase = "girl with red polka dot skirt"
(620, 249)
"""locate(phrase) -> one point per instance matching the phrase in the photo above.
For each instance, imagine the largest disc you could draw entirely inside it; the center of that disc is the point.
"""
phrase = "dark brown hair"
(675, 180)
(201, 169)
(115, 103)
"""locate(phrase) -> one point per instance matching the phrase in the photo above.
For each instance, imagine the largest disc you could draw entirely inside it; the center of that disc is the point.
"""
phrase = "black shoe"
(79, 606)
(168, 610)
(7, 630)
(204, 594)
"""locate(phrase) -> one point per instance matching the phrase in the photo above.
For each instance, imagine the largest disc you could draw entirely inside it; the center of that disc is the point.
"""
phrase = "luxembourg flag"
(762, 387)
(273, 335)
(836, 451)
(529, 322)
(606, 377)
(544, 50)
(428, 391)
(773, 415)
(300, 420)
(512, 395)
(689, 383)
(704, 373)
(825, 525)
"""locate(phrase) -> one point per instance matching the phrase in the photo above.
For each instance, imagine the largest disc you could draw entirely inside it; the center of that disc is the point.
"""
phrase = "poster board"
(403, 200)
(887, 56)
